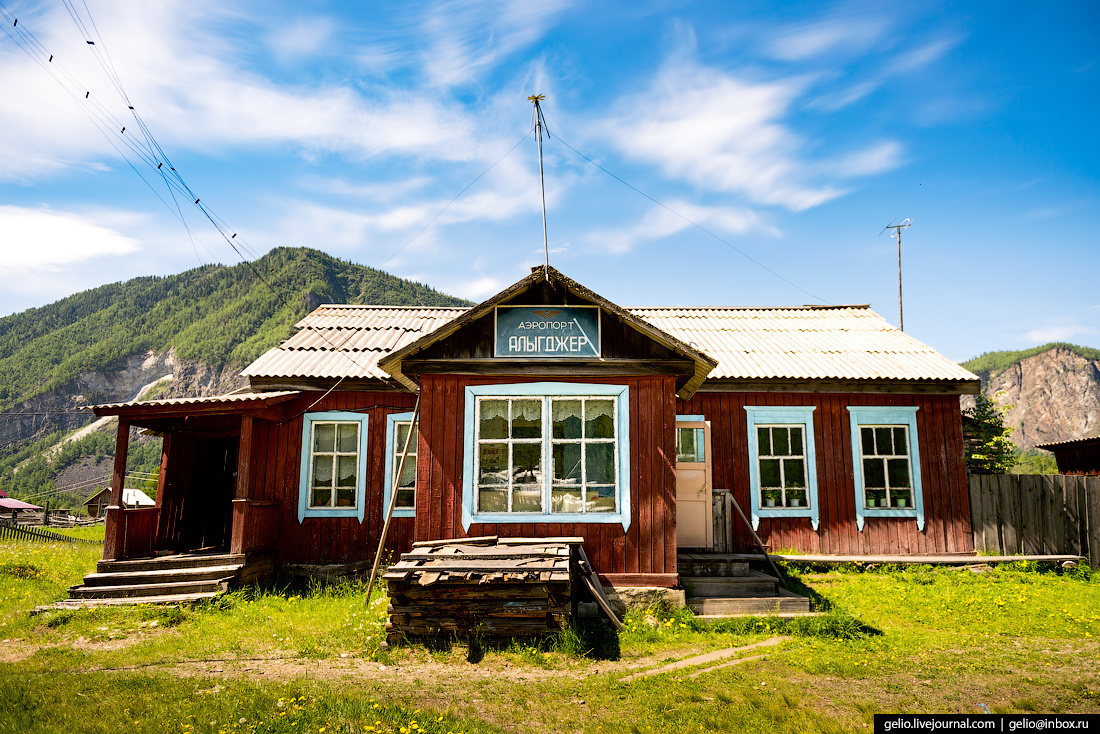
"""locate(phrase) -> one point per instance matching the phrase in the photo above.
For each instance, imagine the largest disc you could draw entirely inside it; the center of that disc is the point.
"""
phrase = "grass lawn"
(298, 659)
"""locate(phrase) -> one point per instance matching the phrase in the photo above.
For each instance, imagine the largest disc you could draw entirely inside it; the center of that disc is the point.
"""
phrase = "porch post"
(240, 498)
(116, 521)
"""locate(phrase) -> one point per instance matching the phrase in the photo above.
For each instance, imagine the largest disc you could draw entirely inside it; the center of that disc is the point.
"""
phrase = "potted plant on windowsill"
(773, 498)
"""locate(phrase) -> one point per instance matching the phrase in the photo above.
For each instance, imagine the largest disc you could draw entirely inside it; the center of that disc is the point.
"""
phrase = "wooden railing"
(1030, 514)
(255, 525)
(139, 532)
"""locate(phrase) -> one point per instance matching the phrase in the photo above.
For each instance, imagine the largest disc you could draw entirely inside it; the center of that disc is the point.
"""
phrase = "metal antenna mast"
(540, 123)
(904, 224)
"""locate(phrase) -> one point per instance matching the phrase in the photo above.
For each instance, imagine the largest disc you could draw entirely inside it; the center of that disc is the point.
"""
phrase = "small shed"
(97, 503)
(1081, 456)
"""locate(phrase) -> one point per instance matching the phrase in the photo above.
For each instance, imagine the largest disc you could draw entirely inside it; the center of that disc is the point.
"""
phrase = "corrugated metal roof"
(843, 342)
(237, 397)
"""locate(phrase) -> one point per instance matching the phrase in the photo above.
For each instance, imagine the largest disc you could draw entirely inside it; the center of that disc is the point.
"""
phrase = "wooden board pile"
(497, 588)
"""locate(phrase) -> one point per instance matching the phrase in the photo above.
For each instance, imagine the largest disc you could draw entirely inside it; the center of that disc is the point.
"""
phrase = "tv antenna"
(540, 123)
(903, 224)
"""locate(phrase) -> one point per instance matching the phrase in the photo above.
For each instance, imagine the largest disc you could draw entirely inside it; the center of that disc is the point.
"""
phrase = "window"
(397, 430)
(782, 464)
(546, 452)
(690, 442)
(333, 472)
(886, 463)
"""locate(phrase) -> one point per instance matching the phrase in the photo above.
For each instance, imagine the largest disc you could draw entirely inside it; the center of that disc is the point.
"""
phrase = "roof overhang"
(702, 363)
(261, 404)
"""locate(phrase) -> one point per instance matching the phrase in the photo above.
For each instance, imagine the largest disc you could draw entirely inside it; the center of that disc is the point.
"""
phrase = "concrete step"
(161, 576)
(181, 560)
(211, 586)
(751, 584)
(785, 604)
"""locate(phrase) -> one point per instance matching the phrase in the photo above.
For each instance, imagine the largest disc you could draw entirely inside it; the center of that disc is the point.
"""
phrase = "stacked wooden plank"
(494, 587)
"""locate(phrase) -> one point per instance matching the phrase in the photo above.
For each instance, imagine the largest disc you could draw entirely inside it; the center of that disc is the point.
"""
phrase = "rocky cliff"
(1055, 396)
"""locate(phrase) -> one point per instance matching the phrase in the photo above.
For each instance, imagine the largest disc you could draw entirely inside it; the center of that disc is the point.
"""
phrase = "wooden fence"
(9, 531)
(1029, 514)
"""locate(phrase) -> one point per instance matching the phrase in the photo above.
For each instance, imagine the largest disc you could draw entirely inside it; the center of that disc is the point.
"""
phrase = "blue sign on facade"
(558, 332)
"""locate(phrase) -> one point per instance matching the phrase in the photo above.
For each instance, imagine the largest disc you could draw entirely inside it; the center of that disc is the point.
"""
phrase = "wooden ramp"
(495, 587)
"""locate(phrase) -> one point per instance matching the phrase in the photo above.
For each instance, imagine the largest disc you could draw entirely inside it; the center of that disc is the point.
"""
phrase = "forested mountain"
(200, 328)
(215, 314)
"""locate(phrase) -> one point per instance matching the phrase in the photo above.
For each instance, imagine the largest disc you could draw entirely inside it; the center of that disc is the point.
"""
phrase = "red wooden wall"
(276, 463)
(943, 474)
(640, 555)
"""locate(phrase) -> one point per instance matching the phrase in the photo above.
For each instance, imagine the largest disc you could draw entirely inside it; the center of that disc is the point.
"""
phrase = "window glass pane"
(492, 499)
(347, 437)
(876, 497)
(406, 498)
(527, 463)
(565, 419)
(796, 441)
(408, 474)
(884, 441)
(771, 498)
(600, 499)
(493, 463)
(324, 437)
(763, 442)
(874, 473)
(867, 436)
(685, 445)
(901, 445)
(794, 473)
(566, 499)
(527, 499)
(494, 419)
(322, 471)
(796, 498)
(402, 433)
(567, 463)
(599, 463)
(599, 419)
(781, 446)
(899, 472)
(901, 497)
(769, 472)
(346, 470)
(526, 419)
(321, 497)
(345, 497)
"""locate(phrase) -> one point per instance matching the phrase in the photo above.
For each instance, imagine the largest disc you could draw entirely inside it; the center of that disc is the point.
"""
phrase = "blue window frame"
(333, 475)
(886, 462)
(546, 452)
(397, 428)
(782, 463)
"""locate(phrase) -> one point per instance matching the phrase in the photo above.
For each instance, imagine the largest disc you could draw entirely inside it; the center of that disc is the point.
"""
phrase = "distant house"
(97, 504)
(549, 411)
(1081, 456)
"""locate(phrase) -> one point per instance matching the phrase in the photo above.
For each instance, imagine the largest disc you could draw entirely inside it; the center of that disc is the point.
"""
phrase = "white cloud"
(807, 40)
(301, 38)
(47, 240)
(1060, 333)
(660, 222)
(719, 132)
(878, 158)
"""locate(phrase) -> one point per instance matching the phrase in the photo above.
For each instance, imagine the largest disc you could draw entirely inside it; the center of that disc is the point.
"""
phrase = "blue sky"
(793, 131)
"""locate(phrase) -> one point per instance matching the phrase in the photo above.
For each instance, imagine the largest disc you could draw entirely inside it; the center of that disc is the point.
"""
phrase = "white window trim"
(304, 510)
(545, 390)
(792, 415)
(886, 416)
(393, 453)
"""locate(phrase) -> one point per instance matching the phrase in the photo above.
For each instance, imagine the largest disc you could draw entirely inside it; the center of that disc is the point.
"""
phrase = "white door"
(694, 523)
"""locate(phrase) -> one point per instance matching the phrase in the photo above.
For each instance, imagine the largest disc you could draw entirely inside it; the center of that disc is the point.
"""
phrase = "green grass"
(1019, 638)
(89, 532)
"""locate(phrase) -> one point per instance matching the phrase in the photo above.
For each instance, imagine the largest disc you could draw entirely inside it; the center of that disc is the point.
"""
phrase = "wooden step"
(92, 602)
(181, 560)
(699, 564)
(751, 584)
(161, 576)
(213, 586)
(785, 604)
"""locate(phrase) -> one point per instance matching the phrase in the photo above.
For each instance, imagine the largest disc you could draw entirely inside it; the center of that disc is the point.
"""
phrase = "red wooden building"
(549, 411)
